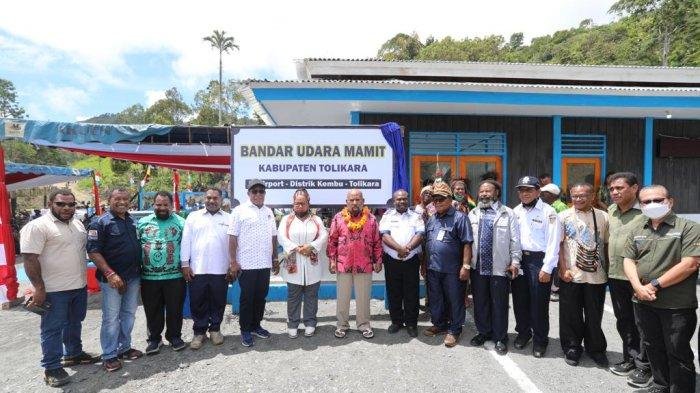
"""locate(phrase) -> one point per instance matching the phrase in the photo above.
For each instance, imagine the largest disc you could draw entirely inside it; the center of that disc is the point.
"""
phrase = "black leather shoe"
(393, 328)
(501, 347)
(479, 340)
(539, 351)
(572, 357)
(412, 331)
(56, 377)
(520, 342)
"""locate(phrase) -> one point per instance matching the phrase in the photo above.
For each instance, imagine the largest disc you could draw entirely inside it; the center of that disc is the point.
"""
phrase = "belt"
(533, 253)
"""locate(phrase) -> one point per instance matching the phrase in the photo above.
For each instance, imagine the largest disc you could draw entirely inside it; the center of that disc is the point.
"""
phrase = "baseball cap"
(552, 188)
(255, 182)
(528, 181)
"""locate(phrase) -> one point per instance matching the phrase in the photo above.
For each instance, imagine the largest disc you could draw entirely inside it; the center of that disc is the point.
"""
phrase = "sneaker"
(260, 332)
(624, 367)
(293, 333)
(309, 331)
(554, 297)
(177, 344)
(247, 339)
(130, 354)
(82, 358)
(600, 359)
(434, 331)
(640, 378)
(393, 328)
(197, 341)
(216, 338)
(112, 364)
(153, 347)
(56, 377)
(451, 340)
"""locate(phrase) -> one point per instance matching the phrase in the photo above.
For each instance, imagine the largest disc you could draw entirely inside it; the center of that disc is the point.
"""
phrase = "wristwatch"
(655, 283)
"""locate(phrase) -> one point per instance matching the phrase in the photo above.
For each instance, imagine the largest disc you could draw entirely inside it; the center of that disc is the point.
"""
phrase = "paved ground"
(387, 363)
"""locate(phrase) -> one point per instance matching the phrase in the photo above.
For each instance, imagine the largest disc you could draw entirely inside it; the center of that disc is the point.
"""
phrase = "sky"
(71, 60)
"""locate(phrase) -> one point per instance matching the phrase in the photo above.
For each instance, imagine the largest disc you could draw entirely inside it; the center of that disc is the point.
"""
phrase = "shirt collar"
(670, 220)
(450, 212)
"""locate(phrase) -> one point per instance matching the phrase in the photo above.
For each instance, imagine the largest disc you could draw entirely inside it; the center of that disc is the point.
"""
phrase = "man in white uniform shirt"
(539, 238)
(402, 232)
(252, 254)
(204, 257)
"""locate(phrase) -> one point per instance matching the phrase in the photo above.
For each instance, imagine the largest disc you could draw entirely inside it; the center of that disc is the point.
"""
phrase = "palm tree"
(223, 43)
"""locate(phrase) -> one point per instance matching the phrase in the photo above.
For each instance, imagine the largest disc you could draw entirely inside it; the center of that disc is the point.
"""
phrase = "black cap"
(528, 181)
(255, 182)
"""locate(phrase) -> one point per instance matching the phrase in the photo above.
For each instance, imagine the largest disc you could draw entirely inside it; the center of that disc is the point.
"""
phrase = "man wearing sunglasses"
(252, 255)
(661, 261)
(53, 251)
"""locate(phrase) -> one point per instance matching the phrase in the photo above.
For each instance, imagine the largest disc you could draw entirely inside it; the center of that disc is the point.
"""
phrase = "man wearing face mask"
(661, 261)
(204, 257)
(495, 262)
(539, 238)
(162, 285)
(625, 214)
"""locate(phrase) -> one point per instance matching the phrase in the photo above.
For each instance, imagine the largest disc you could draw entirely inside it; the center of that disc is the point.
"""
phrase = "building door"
(449, 168)
(580, 170)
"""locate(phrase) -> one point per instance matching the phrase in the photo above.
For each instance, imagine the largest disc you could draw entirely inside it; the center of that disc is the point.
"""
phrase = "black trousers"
(531, 300)
(490, 295)
(666, 334)
(580, 317)
(162, 303)
(402, 283)
(621, 293)
(208, 302)
(254, 286)
(447, 309)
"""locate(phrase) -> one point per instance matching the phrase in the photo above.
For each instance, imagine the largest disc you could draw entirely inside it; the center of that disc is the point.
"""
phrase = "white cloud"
(154, 95)
(82, 118)
(65, 100)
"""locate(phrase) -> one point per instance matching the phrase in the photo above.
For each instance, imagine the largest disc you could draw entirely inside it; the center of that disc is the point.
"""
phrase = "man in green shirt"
(661, 262)
(162, 284)
(625, 214)
(550, 194)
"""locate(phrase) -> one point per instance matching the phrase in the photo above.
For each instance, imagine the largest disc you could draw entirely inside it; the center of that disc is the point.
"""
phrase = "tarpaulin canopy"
(21, 176)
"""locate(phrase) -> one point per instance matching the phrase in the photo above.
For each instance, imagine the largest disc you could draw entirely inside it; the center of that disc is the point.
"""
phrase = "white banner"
(327, 161)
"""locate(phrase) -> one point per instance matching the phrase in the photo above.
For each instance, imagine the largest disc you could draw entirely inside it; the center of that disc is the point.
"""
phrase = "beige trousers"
(362, 282)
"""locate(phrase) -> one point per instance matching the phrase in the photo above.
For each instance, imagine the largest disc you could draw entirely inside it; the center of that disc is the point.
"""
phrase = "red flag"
(96, 192)
(8, 274)
(176, 188)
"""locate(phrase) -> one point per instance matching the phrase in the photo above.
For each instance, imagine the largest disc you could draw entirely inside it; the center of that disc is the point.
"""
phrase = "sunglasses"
(258, 191)
(64, 204)
(648, 201)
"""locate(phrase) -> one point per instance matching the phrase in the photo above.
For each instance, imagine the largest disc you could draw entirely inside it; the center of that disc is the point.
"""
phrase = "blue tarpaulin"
(31, 130)
(22, 176)
(392, 134)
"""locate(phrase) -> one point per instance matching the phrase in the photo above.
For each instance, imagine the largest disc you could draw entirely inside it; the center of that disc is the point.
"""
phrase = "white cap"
(552, 188)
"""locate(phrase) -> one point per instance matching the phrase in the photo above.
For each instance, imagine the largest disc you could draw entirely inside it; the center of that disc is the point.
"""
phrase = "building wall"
(529, 139)
(680, 175)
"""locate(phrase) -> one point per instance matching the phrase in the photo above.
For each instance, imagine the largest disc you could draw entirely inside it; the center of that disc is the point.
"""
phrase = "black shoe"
(656, 389)
(520, 342)
(600, 359)
(538, 350)
(177, 344)
(412, 331)
(56, 377)
(572, 357)
(393, 328)
(624, 367)
(640, 378)
(153, 347)
(479, 340)
(501, 347)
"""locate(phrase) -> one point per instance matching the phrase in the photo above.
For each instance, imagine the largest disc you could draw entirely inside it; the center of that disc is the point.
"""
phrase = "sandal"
(367, 333)
(131, 354)
(340, 333)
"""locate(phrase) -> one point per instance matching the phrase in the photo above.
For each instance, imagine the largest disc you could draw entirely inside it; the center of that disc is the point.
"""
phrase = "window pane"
(474, 172)
(433, 170)
(580, 173)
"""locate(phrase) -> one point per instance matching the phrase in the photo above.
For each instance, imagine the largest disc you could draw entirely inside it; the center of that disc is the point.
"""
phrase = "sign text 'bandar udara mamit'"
(327, 161)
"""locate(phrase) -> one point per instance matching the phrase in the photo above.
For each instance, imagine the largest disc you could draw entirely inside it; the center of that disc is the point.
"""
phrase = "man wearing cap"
(425, 208)
(448, 244)
(550, 194)
(496, 257)
(252, 254)
(625, 215)
(539, 239)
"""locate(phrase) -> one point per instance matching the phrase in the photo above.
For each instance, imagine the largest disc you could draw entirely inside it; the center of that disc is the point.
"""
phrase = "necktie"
(486, 241)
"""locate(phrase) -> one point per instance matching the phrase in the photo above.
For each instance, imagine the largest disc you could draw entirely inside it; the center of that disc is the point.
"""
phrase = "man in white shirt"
(204, 257)
(539, 239)
(252, 254)
(402, 232)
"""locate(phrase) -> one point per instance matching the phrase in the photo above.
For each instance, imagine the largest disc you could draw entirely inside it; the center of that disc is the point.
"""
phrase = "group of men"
(647, 254)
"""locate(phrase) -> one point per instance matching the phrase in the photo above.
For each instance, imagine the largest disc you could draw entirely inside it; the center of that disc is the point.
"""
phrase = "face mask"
(655, 210)
(459, 198)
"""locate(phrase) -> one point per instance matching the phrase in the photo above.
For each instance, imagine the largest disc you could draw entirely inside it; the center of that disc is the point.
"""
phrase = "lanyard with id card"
(441, 234)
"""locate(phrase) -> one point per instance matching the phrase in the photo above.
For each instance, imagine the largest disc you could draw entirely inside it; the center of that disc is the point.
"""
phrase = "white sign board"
(327, 161)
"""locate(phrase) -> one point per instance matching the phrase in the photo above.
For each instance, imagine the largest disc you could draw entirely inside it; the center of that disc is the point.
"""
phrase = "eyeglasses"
(64, 204)
(579, 196)
(258, 191)
(648, 201)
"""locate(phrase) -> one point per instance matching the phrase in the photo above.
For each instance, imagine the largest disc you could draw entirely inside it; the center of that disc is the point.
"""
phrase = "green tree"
(223, 43)
(8, 101)
(234, 107)
(170, 110)
(401, 47)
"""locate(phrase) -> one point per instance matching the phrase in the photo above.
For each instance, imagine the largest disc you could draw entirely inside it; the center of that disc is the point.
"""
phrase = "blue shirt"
(115, 238)
(445, 255)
